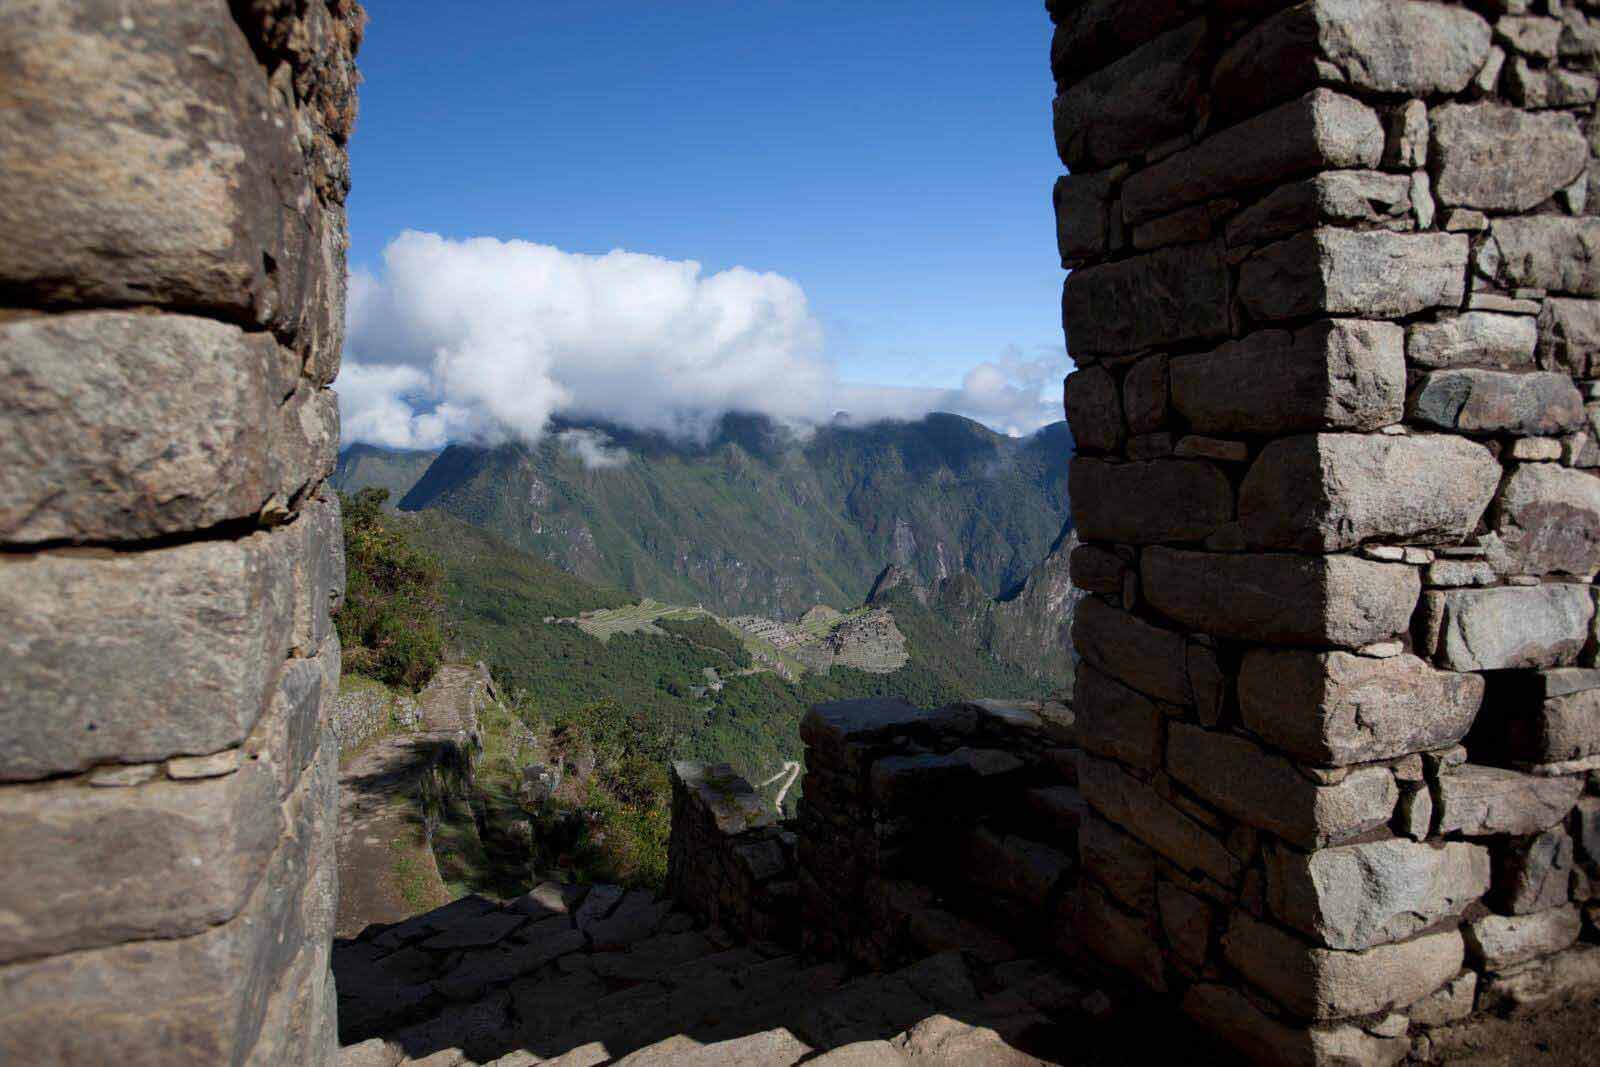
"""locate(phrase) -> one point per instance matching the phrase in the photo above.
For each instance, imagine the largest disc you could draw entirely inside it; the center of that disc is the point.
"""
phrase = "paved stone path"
(386, 869)
(573, 976)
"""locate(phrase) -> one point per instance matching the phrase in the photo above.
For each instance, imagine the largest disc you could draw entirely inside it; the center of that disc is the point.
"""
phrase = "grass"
(411, 878)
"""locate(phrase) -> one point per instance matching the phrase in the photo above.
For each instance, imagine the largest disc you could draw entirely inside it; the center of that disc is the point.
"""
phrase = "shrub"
(392, 625)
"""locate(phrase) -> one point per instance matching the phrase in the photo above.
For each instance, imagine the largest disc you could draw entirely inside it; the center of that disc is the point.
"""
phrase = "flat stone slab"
(475, 931)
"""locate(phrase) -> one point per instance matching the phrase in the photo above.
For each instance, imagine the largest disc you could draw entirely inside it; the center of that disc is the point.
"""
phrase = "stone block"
(1385, 46)
(319, 573)
(1083, 215)
(1509, 627)
(1546, 521)
(1092, 34)
(1577, 970)
(1336, 708)
(1097, 570)
(72, 881)
(1341, 374)
(1334, 196)
(1319, 983)
(1499, 158)
(1408, 136)
(1586, 833)
(1125, 941)
(1262, 1038)
(1281, 599)
(1135, 806)
(1267, 792)
(1119, 863)
(1569, 336)
(1498, 942)
(1533, 873)
(1144, 395)
(1373, 273)
(1474, 339)
(1170, 295)
(1494, 402)
(1014, 867)
(1094, 410)
(195, 999)
(1149, 501)
(1144, 98)
(1449, 1004)
(162, 169)
(1186, 920)
(85, 629)
(1478, 801)
(1147, 657)
(305, 440)
(1357, 896)
(1322, 130)
(120, 426)
(1551, 252)
(1328, 492)
(1116, 721)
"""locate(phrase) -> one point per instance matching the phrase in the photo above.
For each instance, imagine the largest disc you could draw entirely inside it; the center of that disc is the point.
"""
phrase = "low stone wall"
(921, 831)
(731, 862)
(173, 279)
(1333, 308)
(360, 713)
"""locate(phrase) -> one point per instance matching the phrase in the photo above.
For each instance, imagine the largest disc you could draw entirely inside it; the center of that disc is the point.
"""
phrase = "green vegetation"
(392, 625)
(608, 712)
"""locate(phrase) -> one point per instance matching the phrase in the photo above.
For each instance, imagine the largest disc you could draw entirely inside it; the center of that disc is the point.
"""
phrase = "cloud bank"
(485, 339)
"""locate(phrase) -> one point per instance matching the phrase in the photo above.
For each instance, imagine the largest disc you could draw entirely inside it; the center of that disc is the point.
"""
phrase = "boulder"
(1477, 801)
(1474, 339)
(1162, 297)
(1533, 873)
(1341, 374)
(1493, 402)
(1319, 983)
(1547, 521)
(1358, 896)
(1327, 492)
(1337, 708)
(1508, 627)
(1322, 130)
(1267, 792)
(1151, 501)
(1371, 273)
(1281, 599)
(1499, 158)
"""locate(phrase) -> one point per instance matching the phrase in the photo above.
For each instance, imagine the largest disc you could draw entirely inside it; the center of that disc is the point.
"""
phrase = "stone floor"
(574, 976)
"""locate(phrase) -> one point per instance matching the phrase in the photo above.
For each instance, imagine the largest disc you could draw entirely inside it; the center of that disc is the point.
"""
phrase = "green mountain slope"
(761, 521)
(367, 466)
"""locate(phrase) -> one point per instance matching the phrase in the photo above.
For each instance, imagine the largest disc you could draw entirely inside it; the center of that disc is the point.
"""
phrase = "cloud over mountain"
(482, 339)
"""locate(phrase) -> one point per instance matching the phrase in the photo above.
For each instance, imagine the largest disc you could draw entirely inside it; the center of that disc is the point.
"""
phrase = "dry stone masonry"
(1334, 303)
(173, 284)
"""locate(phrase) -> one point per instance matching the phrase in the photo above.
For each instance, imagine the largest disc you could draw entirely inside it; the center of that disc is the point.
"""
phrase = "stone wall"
(1333, 305)
(730, 861)
(173, 279)
(922, 831)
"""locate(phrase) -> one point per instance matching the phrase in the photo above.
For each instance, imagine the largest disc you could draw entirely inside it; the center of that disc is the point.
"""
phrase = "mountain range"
(757, 518)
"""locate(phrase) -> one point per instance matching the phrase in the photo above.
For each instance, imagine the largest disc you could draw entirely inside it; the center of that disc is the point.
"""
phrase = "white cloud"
(481, 339)
(593, 448)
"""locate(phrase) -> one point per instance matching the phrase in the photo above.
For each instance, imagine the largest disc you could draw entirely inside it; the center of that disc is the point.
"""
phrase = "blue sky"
(892, 160)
